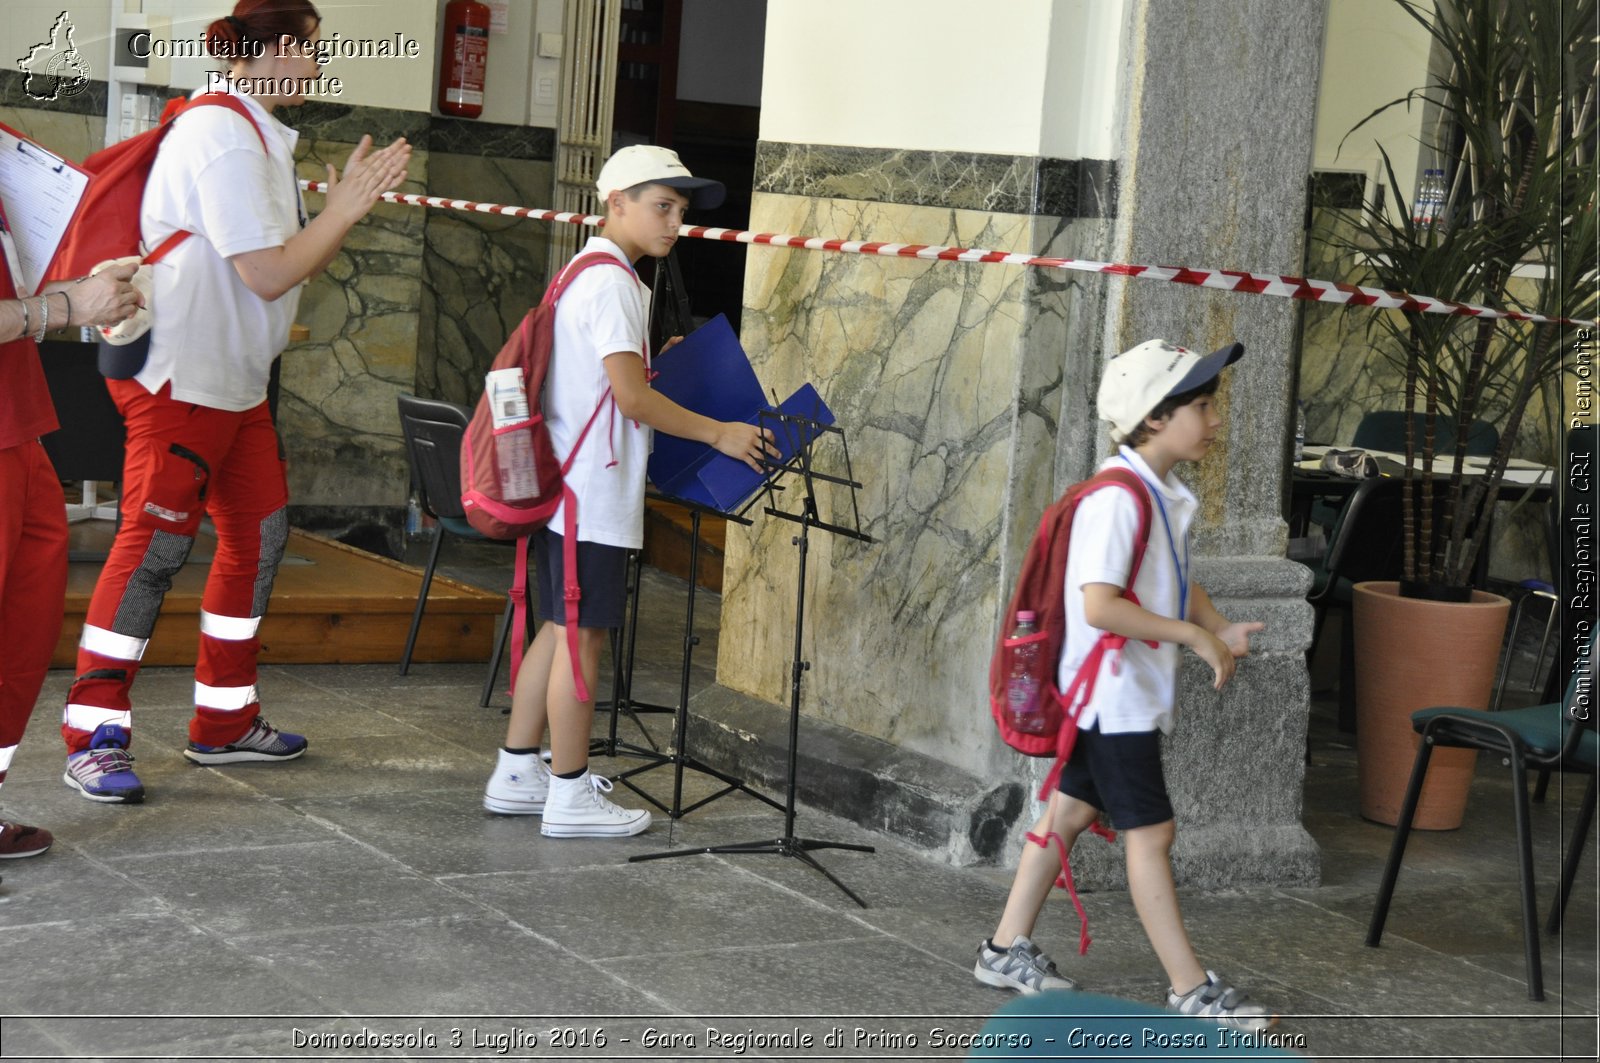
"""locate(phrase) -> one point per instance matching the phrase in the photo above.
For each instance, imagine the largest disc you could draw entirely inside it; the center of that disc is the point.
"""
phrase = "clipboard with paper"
(710, 374)
(39, 192)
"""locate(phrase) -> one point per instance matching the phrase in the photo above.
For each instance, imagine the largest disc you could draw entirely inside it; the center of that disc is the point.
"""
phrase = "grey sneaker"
(1021, 967)
(261, 742)
(1218, 1001)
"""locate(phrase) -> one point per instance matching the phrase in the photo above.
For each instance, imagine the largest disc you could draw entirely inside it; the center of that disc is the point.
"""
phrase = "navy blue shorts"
(1120, 775)
(602, 577)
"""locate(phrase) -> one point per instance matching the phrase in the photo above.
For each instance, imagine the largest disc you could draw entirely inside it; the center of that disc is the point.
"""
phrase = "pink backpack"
(483, 496)
(1039, 590)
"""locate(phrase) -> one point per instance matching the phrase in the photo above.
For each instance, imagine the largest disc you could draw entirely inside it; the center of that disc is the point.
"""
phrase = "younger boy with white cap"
(600, 343)
(1159, 400)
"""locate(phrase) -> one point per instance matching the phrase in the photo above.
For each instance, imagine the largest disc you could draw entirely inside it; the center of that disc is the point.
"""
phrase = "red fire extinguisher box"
(463, 58)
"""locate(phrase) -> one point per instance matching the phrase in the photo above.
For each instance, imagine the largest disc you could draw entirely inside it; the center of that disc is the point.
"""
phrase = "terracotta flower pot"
(1414, 654)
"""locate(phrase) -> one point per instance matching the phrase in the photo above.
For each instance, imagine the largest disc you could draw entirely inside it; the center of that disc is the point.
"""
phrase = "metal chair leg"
(422, 600)
(501, 637)
(1569, 869)
(1511, 643)
(1397, 849)
(1544, 643)
(1530, 904)
(1347, 671)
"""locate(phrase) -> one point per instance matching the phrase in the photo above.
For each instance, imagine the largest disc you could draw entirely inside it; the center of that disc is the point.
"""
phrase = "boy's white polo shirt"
(212, 337)
(1140, 693)
(603, 311)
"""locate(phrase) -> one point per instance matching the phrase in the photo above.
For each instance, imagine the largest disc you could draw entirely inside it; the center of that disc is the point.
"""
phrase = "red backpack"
(107, 223)
(1040, 590)
(482, 495)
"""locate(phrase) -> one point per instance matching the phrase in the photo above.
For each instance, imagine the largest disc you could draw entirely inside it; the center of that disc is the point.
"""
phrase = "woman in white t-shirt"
(201, 442)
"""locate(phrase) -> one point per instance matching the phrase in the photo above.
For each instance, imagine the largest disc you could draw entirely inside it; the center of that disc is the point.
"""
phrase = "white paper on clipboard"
(40, 192)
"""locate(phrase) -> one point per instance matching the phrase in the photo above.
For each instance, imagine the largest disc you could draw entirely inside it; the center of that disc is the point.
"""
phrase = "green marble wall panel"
(480, 272)
(337, 397)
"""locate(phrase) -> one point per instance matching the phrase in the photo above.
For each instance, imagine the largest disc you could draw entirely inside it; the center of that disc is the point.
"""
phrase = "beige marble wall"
(70, 135)
(949, 382)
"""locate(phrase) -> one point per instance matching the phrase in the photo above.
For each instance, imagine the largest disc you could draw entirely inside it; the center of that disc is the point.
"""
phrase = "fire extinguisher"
(465, 58)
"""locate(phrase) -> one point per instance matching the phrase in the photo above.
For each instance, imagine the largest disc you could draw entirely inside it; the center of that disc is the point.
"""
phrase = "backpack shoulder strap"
(1129, 481)
(174, 108)
(570, 272)
(220, 99)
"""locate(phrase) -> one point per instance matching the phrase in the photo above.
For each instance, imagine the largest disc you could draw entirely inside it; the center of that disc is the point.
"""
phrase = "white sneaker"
(519, 786)
(575, 809)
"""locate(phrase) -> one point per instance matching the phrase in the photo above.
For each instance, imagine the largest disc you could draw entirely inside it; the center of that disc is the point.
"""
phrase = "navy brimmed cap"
(1136, 381)
(639, 164)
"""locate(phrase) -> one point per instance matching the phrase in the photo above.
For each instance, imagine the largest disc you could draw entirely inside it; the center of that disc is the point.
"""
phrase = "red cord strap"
(1064, 880)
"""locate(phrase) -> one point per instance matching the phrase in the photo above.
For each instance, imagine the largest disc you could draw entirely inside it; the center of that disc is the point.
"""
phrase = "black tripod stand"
(789, 844)
(676, 754)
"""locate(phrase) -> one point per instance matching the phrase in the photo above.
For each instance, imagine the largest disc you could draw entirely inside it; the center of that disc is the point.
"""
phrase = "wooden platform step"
(667, 531)
(331, 604)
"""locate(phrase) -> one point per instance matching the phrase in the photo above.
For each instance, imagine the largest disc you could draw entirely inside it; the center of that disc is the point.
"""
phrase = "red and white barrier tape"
(1284, 287)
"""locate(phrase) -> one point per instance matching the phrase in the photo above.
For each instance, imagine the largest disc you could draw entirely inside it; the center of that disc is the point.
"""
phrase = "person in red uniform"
(33, 510)
(201, 442)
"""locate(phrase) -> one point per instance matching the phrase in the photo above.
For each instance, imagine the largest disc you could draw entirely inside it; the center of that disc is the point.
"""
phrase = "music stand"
(802, 432)
(677, 754)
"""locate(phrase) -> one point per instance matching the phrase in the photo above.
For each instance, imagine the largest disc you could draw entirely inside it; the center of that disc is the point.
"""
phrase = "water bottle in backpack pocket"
(513, 435)
(1024, 684)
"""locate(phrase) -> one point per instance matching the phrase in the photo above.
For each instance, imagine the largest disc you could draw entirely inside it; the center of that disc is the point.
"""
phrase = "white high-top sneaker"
(519, 786)
(576, 809)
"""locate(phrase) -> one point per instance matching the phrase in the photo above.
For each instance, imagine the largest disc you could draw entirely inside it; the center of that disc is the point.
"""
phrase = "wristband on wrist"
(27, 321)
(68, 300)
(44, 320)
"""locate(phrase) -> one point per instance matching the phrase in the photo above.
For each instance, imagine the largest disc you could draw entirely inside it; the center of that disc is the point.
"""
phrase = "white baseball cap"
(1136, 381)
(639, 164)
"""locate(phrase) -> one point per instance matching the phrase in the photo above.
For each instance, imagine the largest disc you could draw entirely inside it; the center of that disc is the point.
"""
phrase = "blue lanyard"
(1182, 568)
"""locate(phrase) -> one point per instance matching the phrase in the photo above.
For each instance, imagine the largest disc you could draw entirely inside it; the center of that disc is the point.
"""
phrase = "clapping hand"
(367, 175)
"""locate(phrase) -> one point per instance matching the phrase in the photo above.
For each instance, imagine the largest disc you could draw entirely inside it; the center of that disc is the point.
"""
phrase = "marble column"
(1216, 147)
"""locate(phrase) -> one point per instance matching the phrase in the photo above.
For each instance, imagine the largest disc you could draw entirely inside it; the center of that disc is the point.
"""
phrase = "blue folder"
(710, 374)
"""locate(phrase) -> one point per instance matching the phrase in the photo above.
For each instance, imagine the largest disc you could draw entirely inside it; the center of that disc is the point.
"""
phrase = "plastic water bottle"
(1022, 686)
(1431, 198)
(413, 517)
(1299, 431)
(513, 451)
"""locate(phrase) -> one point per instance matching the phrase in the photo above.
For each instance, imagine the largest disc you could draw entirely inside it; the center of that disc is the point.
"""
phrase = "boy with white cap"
(599, 370)
(1159, 400)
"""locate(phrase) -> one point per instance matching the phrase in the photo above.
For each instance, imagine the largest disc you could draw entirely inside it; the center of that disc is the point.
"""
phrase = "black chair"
(89, 445)
(1386, 430)
(1551, 737)
(1365, 545)
(433, 431)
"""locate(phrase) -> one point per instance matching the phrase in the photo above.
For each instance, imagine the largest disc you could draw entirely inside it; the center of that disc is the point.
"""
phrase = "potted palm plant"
(1513, 89)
